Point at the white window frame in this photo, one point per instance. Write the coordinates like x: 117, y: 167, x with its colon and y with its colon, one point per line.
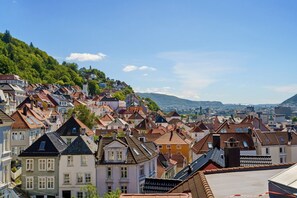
x: 124, y: 172
x: 81, y: 194
x: 50, y: 164
x: 119, y: 155
x: 29, y: 183
x: 64, y: 178
x: 83, y: 160
x: 79, y: 176
x: 41, y: 183
x: 41, y: 164
x: 109, y: 170
x: 88, y: 176
x: 50, y: 182
x: 111, y: 155
x: 69, y: 160
x: 29, y: 164
x: 124, y: 188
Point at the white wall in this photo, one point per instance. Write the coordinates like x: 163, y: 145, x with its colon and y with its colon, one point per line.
x: 73, y: 170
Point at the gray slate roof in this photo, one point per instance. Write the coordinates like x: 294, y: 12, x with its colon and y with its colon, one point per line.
x: 82, y: 145
x: 49, y: 144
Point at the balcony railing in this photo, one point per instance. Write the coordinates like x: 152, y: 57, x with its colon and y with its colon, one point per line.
x: 15, y: 175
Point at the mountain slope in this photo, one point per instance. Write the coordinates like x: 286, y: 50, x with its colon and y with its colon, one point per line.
x: 291, y: 101
x: 171, y: 102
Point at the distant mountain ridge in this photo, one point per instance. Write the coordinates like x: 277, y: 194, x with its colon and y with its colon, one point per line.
x: 172, y: 102
x: 290, y: 101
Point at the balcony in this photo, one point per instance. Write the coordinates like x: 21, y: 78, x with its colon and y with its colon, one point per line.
x: 15, y: 175
x: 6, y: 155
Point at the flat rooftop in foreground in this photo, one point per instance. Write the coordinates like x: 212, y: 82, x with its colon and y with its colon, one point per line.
x: 243, y: 183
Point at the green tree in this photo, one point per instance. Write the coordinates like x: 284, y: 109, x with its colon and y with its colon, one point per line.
x: 84, y: 114
x: 152, y: 105
x: 7, y: 37
x: 94, y: 88
x: 294, y: 119
x: 113, y: 194
x: 90, y: 191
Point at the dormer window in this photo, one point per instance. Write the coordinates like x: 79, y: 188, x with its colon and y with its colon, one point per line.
x: 111, y: 155
x: 119, y: 155
x: 73, y: 130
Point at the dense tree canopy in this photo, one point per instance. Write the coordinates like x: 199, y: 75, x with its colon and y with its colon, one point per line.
x: 84, y: 114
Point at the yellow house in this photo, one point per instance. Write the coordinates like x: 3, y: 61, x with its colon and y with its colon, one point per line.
x: 173, y: 143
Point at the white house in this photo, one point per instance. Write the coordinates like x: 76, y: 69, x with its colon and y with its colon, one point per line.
x: 124, y: 163
x: 5, y: 153
x: 77, y: 167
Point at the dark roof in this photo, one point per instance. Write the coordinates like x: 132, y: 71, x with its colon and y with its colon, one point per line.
x: 49, y: 144
x: 82, y: 145
x: 145, y: 124
x: 160, y: 119
x: 135, y: 116
x: 145, y: 152
x: 214, y: 155
x: 72, y: 127
x: 275, y: 138
x: 154, y: 185
x: 105, y: 99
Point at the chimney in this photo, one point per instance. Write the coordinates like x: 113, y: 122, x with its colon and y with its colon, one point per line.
x: 216, y: 141
x: 31, y: 104
x: 25, y: 110
x: 232, y: 153
x: 290, y: 135
x: 171, y: 135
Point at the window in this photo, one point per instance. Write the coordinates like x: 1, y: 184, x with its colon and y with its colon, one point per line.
x: 281, y: 160
x: 79, y: 178
x: 42, y: 164
x: 66, y: 178
x: 83, y: 160
x: 50, y: 182
x: 68, y: 141
x: 178, y: 146
x: 109, y: 172
x: 168, y: 146
x: 41, y: 182
x: 109, y: 188
x: 51, y: 164
x: 124, y: 172
x: 141, y: 170
x: 124, y: 189
x: 73, y: 130
x: 42, y: 146
x: 69, y: 160
x: 29, y: 183
x: 119, y: 155
x: 88, y: 178
x: 160, y: 146
x: 267, y: 151
x: 245, y: 145
x: 282, y: 150
x: 21, y: 136
x: 80, y: 195
x: 29, y: 165
x: 110, y: 155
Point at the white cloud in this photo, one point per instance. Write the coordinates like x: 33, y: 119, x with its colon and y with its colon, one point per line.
x: 130, y: 68
x: 145, y: 74
x: 288, y: 89
x: 147, y: 68
x: 198, y: 71
x: 85, y: 57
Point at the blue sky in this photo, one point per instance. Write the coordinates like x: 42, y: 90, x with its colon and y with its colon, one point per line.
x: 231, y: 51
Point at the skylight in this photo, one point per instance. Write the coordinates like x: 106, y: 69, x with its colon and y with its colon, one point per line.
x: 135, y: 151
x: 42, y: 145
x: 245, y: 144
x: 142, y: 145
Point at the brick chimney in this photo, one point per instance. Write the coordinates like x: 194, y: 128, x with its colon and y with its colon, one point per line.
x: 232, y: 153
x: 216, y: 141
